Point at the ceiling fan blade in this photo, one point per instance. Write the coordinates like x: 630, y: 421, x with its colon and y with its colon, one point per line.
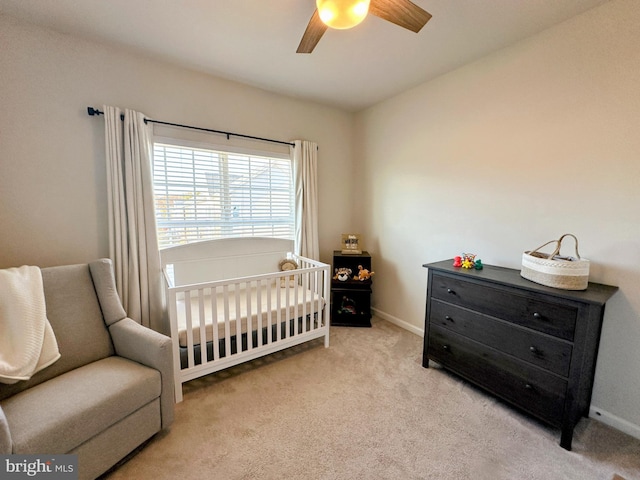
x: 312, y: 35
x: 401, y: 12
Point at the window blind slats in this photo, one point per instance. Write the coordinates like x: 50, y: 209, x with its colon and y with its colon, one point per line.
x: 205, y: 194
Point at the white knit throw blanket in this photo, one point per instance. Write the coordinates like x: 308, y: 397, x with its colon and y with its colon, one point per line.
x: 27, y: 341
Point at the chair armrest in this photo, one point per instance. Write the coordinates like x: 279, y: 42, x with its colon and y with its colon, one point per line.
x: 148, y: 347
x: 6, y: 444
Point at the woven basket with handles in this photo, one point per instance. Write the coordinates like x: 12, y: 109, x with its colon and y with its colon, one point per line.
x: 554, y: 270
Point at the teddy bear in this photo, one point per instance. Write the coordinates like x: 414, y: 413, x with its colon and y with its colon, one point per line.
x: 287, y: 265
x: 342, y: 274
x: 363, y: 274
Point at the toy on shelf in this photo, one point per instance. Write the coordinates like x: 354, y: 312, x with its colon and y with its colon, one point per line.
x: 478, y: 264
x: 342, y: 274
x: 348, y: 306
x: 363, y: 274
x: 457, y: 261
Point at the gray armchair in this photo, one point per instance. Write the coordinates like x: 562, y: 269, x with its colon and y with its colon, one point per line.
x: 112, y: 387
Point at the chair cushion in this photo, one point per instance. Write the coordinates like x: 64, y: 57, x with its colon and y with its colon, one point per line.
x: 74, y: 312
x: 62, y: 413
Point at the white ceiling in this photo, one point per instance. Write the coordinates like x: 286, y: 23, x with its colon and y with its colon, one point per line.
x: 254, y: 41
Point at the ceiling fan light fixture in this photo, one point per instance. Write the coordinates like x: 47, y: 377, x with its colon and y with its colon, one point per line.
x: 342, y: 14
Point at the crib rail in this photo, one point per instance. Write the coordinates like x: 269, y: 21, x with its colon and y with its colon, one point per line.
x: 218, y: 324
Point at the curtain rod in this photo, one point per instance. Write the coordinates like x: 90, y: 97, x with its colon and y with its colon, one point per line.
x: 93, y: 112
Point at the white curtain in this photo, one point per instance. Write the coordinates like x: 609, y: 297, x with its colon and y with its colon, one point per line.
x: 305, y: 177
x: 133, y: 245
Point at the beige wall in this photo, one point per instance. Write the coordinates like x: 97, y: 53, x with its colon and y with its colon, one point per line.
x: 537, y: 140
x: 52, y: 167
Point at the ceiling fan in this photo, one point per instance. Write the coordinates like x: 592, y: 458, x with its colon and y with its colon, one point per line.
x: 342, y: 14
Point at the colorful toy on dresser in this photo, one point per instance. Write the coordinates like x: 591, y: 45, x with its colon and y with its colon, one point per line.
x: 467, y: 260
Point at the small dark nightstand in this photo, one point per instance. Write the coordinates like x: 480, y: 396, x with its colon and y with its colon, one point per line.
x: 351, y: 299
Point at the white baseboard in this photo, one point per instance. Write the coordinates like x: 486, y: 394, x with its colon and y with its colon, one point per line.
x: 396, y: 321
x: 594, y: 412
x: 614, y: 421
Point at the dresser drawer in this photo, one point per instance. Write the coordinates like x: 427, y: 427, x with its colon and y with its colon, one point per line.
x: 529, y: 310
x: 534, y: 390
x: 529, y: 345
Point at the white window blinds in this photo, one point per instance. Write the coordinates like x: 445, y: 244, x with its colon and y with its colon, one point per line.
x: 203, y: 194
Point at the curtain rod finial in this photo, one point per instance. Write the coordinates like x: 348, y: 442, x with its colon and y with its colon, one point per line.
x: 93, y: 111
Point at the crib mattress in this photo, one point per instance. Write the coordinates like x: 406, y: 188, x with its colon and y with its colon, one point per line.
x: 300, y: 301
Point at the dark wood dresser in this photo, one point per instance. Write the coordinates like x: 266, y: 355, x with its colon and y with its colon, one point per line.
x: 531, y: 345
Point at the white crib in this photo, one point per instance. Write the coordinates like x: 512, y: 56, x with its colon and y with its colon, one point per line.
x: 230, y: 293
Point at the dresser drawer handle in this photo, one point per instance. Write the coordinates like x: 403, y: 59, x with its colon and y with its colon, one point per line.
x: 533, y: 349
x: 537, y: 316
x: 528, y: 386
x: 445, y: 348
x: 450, y: 291
x: 448, y: 318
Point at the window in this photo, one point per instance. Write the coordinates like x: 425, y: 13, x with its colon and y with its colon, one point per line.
x: 202, y: 194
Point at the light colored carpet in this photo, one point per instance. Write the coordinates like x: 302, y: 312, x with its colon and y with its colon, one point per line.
x: 365, y: 408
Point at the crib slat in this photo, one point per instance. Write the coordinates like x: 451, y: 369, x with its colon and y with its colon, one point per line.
x: 305, y: 290
x: 315, y: 295
x: 279, y: 311
x: 318, y: 316
x: 238, y: 317
x: 324, y: 306
x: 259, y: 311
x: 327, y: 309
x: 214, y: 323
x: 227, y: 329
x: 203, y: 332
x: 187, y: 314
x: 248, y: 296
x: 296, y: 307
x: 287, y: 305
x: 269, y: 315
